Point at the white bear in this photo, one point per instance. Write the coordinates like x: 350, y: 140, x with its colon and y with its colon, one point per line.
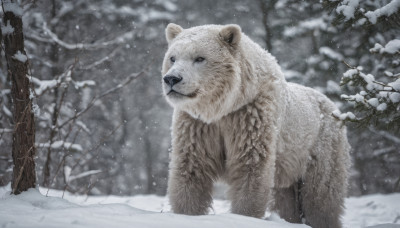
x: 236, y: 118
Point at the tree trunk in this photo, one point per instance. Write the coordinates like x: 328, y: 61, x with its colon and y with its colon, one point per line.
x: 54, y: 119
x: 266, y: 8
x: 23, y: 147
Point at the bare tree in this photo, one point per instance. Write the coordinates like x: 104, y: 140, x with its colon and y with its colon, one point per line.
x: 23, y: 145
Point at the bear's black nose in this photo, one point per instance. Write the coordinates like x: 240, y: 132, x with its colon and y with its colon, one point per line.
x: 172, y: 80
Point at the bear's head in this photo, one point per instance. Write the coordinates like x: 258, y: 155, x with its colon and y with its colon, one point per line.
x: 201, y: 72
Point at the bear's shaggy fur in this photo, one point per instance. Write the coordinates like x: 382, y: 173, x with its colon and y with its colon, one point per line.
x: 236, y: 118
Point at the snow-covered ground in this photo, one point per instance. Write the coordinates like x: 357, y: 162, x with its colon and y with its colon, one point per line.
x: 34, y: 209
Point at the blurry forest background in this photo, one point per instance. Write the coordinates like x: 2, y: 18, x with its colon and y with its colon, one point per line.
x: 118, y: 143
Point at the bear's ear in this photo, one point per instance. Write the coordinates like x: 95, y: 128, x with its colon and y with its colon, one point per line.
x: 231, y: 34
x: 172, y: 31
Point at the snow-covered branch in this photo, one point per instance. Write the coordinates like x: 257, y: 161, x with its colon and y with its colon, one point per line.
x: 386, y: 135
x: 118, y: 40
x: 377, y: 100
x: 387, y: 10
x: 6, y: 130
x: 69, y: 177
x: 61, y: 145
x: 392, y: 47
x: 353, y: 11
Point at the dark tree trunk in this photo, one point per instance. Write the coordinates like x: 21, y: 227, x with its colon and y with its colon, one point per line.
x: 267, y: 6
x: 23, y: 147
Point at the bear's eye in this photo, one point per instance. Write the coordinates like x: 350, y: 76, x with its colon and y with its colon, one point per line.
x: 199, y: 60
x: 172, y: 59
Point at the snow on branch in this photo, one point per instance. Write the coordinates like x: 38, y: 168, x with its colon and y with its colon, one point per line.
x: 83, y: 84
x: 118, y: 40
x: 308, y: 25
x: 392, y: 47
x: 331, y: 53
x: 354, y: 11
x: 344, y: 116
x: 6, y: 130
x: 7, y: 29
x: 20, y: 57
x: 69, y: 177
x: 44, y: 85
x: 61, y: 145
x: 348, y: 8
x: 9, y: 6
x: 377, y: 101
x: 387, y: 10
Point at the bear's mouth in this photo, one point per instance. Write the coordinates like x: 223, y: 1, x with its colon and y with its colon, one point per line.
x: 175, y: 93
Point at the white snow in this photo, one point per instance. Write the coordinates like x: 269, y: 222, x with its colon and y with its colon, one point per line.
x: 381, y: 107
x: 371, y: 210
x: 370, y: 80
x: 386, y: 10
x: 395, y: 85
x: 44, y: 85
x: 83, y: 84
x: 69, y: 177
x: 359, y: 97
x: 308, y: 25
x: 392, y: 47
x: 61, y: 144
x: 34, y: 209
x: 168, y: 5
x: 349, y: 73
x: 394, y: 97
x: 348, y: 8
x: 13, y: 7
x: 373, y: 102
x: 20, y: 57
x: 388, y: 73
x: 344, y: 116
x: 331, y: 53
x: 332, y: 87
x: 8, y: 29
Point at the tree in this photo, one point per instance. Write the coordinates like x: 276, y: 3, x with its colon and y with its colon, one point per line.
x: 23, y: 145
x: 377, y: 98
x: 369, y: 45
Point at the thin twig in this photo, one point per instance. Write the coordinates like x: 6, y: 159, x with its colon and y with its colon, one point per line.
x: 97, y: 145
x: 118, y: 40
x: 128, y: 80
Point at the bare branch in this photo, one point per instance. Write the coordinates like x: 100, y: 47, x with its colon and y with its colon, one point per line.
x: 97, y: 145
x: 100, y: 61
x: 386, y: 135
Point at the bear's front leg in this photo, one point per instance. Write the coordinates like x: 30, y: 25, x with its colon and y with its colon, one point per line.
x: 195, y: 164
x: 251, y: 160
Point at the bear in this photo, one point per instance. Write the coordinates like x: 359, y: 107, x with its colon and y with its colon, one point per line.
x: 276, y: 144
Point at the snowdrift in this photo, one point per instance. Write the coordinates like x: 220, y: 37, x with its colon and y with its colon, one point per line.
x: 34, y: 209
